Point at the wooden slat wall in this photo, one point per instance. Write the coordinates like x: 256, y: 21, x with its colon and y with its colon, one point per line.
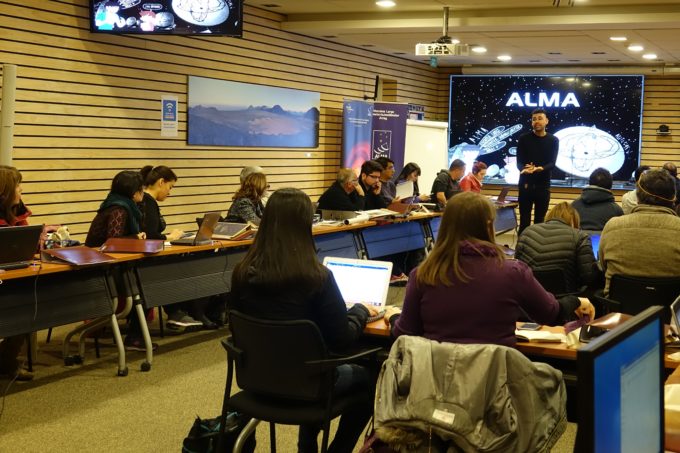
x: 88, y: 106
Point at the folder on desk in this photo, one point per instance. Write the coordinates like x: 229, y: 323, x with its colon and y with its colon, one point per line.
x: 234, y: 231
x: 132, y: 245
x: 77, y: 256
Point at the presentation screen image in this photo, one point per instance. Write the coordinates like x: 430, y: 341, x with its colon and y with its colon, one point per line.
x: 180, y: 17
x: 597, y: 119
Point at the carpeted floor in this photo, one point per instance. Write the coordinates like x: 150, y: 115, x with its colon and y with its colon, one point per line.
x: 88, y: 408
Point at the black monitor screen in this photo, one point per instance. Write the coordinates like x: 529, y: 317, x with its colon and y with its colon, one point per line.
x: 597, y: 119
x: 179, y: 17
x: 620, y: 382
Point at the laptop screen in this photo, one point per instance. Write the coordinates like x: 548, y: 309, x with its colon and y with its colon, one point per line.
x: 361, y: 280
x: 595, y: 240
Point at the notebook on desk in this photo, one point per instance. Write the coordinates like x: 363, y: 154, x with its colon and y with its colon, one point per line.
x: 77, y: 256
x: 19, y: 245
x: 205, y: 232
x: 361, y: 280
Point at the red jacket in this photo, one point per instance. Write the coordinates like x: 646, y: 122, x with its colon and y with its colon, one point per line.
x: 470, y: 184
x: 21, y: 219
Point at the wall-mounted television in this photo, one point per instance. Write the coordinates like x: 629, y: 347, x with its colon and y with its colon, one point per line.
x: 176, y: 17
x: 597, y: 118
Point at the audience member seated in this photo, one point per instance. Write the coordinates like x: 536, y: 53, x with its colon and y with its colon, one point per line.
x: 411, y: 172
x: 247, y: 201
x: 158, y: 182
x: 466, y: 291
x: 272, y: 283
x: 13, y: 212
x: 345, y: 194
x: 472, y: 182
x: 673, y: 171
x: 629, y: 199
x: 558, y: 244
x: 119, y: 216
x: 446, y: 184
x: 596, y: 204
x: 369, y: 180
x: 245, y: 171
x: 388, y: 188
x: 645, y: 242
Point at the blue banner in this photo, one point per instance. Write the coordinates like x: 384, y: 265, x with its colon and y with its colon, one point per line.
x: 357, y: 117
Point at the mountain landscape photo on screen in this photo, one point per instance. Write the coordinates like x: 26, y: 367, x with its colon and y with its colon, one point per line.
x: 224, y: 113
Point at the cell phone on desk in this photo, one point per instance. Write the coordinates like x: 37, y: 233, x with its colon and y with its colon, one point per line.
x: 529, y: 326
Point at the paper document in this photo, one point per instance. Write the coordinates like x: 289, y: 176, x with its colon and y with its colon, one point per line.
x: 405, y: 189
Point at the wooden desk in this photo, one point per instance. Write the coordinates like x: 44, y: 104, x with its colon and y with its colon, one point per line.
x: 672, y: 419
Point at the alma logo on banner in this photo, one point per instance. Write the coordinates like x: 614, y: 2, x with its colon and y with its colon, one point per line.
x: 554, y: 100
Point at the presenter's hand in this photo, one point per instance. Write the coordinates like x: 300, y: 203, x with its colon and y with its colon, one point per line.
x: 174, y: 235
x: 389, y: 312
x: 141, y: 235
x: 537, y: 169
x: 371, y: 309
x: 586, y: 308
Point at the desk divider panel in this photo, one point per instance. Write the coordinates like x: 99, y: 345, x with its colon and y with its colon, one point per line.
x: 342, y: 244
x: 393, y: 238
x: 61, y: 298
x: 435, y: 222
x: 178, y: 278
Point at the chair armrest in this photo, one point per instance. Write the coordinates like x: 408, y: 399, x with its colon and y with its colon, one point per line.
x: 233, y: 352
x: 327, y: 364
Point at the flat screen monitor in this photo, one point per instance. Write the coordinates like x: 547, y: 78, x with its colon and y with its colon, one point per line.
x: 597, y: 119
x: 620, y: 388
x: 176, y: 17
x: 595, y: 242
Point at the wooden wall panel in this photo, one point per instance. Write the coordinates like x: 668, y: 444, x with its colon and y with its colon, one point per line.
x: 88, y: 106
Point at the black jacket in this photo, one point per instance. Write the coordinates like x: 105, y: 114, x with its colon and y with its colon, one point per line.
x: 596, y: 206
x: 326, y: 308
x: 153, y: 223
x: 540, y: 151
x: 554, y: 244
x: 371, y: 200
x: 337, y: 199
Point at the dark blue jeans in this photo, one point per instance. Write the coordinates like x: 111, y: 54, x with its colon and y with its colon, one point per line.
x: 349, y: 378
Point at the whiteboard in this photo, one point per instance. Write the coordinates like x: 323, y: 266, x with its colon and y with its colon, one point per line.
x: 427, y: 145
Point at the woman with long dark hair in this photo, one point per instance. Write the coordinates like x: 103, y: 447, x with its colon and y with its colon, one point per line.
x: 411, y: 172
x: 280, y: 278
x: 13, y: 212
x: 466, y: 291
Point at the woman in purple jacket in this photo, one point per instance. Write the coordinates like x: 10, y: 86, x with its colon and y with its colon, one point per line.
x: 466, y: 291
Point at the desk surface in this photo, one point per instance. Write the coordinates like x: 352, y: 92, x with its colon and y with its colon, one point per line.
x: 537, y: 349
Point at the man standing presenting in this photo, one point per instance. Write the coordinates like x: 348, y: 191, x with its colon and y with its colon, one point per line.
x: 536, y: 156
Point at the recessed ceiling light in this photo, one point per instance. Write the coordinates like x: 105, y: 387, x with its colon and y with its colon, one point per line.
x: 479, y: 49
x: 385, y: 3
x: 649, y: 56
x: 636, y: 48
x: 598, y: 53
x: 504, y: 57
x: 554, y: 53
x: 618, y: 38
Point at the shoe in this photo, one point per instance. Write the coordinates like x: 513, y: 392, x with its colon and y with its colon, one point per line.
x: 398, y: 279
x: 181, y: 320
x: 137, y: 344
x: 20, y: 375
x: 207, y: 323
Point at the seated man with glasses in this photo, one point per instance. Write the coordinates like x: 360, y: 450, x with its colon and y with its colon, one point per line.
x: 369, y: 180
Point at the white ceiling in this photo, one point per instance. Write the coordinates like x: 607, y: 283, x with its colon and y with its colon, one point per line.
x: 531, y: 32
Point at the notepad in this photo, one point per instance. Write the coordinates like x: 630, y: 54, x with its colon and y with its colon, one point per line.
x: 540, y: 336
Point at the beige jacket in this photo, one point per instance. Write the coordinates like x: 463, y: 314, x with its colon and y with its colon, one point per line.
x: 644, y: 243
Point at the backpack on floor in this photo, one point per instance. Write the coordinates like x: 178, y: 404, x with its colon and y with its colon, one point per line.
x: 204, y: 434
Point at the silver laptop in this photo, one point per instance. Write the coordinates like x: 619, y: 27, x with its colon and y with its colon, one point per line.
x: 205, y: 232
x: 19, y: 245
x: 361, y: 280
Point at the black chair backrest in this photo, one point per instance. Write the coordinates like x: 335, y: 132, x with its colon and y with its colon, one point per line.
x: 635, y: 294
x: 274, y: 356
x: 552, y: 280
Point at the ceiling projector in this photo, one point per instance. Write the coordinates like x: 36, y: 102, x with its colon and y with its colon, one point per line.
x: 435, y: 49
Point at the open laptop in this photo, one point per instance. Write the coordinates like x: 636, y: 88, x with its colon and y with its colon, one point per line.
x: 205, y: 232
x: 361, y: 280
x: 503, y: 197
x: 595, y: 241
x: 19, y: 245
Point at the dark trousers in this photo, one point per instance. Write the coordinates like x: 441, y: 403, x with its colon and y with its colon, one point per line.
x: 537, y: 198
x: 9, y: 353
x: 350, y: 378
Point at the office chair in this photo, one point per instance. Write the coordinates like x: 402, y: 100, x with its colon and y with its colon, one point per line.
x: 554, y: 280
x: 286, y: 375
x: 632, y: 295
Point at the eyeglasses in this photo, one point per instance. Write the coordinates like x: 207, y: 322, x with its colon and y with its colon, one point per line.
x: 373, y: 176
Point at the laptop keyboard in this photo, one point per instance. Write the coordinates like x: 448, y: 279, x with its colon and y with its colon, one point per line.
x: 19, y: 265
